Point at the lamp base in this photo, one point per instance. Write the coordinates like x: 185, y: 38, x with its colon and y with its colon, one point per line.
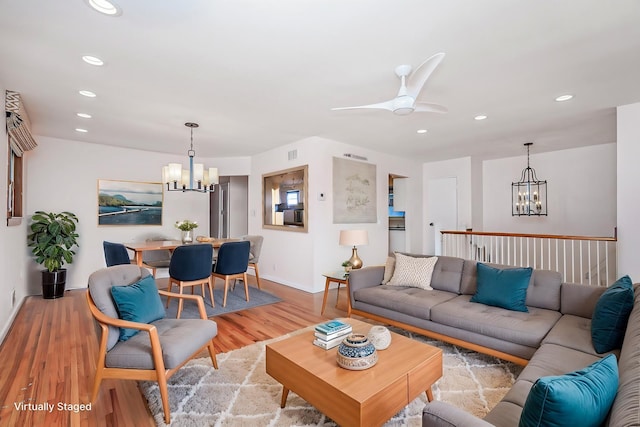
x: 355, y: 260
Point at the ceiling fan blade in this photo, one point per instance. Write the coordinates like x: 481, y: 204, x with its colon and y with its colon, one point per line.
x: 422, y: 73
x: 387, y: 105
x: 427, y: 107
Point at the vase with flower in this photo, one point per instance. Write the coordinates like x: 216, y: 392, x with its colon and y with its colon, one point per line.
x: 187, y: 227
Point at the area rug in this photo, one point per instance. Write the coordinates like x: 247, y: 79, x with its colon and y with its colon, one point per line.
x: 235, y: 302
x: 240, y: 393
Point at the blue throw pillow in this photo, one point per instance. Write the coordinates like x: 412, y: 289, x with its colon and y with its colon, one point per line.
x: 137, y: 302
x: 506, y: 288
x: 610, y: 316
x: 581, y: 398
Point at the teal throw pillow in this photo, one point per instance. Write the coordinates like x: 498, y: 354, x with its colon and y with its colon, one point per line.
x: 506, y: 288
x: 610, y: 316
x: 581, y: 398
x: 137, y: 302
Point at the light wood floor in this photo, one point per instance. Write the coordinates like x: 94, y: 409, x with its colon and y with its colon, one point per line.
x: 49, y: 355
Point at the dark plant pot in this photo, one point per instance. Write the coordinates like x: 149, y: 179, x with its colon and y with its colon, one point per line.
x: 53, y: 283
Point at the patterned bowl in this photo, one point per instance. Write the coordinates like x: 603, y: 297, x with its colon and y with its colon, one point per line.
x: 356, y: 353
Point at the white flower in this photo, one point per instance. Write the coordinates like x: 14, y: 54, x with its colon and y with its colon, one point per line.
x: 186, y: 225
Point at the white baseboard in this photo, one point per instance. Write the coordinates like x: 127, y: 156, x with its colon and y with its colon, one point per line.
x: 12, y: 317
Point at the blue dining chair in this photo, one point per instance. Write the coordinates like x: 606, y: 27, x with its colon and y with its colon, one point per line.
x: 232, y: 263
x: 115, y: 254
x: 190, y: 265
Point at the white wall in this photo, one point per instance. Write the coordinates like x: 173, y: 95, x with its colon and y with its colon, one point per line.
x: 581, y: 187
x: 13, y: 248
x: 63, y: 175
x: 455, y: 168
x: 299, y: 259
x: 628, y: 198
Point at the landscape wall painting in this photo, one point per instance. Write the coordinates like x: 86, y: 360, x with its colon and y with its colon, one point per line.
x: 129, y: 203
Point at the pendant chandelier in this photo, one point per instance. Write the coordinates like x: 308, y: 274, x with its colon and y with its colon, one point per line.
x: 196, y: 178
x: 529, y: 195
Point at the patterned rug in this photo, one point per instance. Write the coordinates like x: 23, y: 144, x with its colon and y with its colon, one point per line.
x: 240, y: 393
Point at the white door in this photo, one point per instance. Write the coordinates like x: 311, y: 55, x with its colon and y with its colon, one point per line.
x: 442, y: 211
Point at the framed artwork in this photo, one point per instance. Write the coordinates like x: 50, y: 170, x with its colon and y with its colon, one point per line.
x: 354, y: 192
x: 129, y: 202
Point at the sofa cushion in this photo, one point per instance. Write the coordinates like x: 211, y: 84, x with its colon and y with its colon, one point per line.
x: 580, y: 398
x: 553, y: 359
x: 543, y: 290
x: 609, y: 320
x: 573, y: 332
x: 414, y: 302
x: 137, y: 302
x: 447, y: 274
x: 513, y: 326
x: 412, y: 271
x: 389, y: 266
x: 506, y: 288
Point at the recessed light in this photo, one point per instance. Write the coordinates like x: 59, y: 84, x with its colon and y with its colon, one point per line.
x: 104, y: 6
x: 93, y: 60
x: 564, y: 98
x: 87, y: 93
x: 81, y: 130
x: 84, y: 115
x: 421, y: 131
x: 480, y: 117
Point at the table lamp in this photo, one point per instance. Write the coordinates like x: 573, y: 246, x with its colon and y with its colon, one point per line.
x: 354, y: 238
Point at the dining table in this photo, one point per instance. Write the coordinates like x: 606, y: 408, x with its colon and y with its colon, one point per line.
x: 154, y: 245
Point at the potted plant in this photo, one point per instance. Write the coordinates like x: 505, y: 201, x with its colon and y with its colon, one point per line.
x: 52, y: 240
x: 347, y: 266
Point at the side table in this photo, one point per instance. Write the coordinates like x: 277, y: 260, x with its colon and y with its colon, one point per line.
x: 341, y: 278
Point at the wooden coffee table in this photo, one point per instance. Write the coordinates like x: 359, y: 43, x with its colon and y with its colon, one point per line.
x: 354, y: 398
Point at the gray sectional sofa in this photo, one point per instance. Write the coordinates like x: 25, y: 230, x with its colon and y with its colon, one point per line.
x: 552, y: 338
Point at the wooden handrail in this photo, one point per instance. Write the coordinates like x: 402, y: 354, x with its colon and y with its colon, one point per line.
x: 537, y: 236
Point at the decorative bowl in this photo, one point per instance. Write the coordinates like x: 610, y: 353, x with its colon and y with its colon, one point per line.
x: 356, y: 353
x: 380, y: 337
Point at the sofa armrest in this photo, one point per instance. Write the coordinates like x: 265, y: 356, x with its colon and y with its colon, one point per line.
x: 365, y: 277
x: 441, y: 414
x: 579, y: 300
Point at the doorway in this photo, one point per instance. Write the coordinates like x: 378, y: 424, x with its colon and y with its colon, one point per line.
x: 442, y: 211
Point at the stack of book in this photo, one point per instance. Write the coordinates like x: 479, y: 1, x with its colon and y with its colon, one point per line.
x: 330, y: 334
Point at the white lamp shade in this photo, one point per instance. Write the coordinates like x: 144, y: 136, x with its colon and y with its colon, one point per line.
x: 354, y: 237
x: 213, y: 176
x: 175, y: 172
x: 198, y: 172
x: 165, y: 174
x: 185, y: 179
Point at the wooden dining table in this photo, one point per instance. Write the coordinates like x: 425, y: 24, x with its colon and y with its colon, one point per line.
x: 154, y: 245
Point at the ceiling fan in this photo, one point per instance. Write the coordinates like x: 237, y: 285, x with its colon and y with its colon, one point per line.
x: 405, y: 102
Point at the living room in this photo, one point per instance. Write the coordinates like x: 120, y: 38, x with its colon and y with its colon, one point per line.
x: 589, y: 189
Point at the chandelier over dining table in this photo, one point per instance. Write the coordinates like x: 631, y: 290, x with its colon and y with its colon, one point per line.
x: 195, y: 178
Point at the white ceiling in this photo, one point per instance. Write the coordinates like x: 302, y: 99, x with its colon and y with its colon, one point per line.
x: 257, y: 74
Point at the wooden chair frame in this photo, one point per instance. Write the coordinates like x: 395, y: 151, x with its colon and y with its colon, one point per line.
x: 160, y: 374
x: 227, y: 278
x: 182, y: 283
x: 254, y: 265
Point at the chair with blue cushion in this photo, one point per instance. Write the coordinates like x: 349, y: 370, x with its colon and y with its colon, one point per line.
x: 137, y: 342
x: 117, y: 254
x: 232, y: 263
x: 191, y: 266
